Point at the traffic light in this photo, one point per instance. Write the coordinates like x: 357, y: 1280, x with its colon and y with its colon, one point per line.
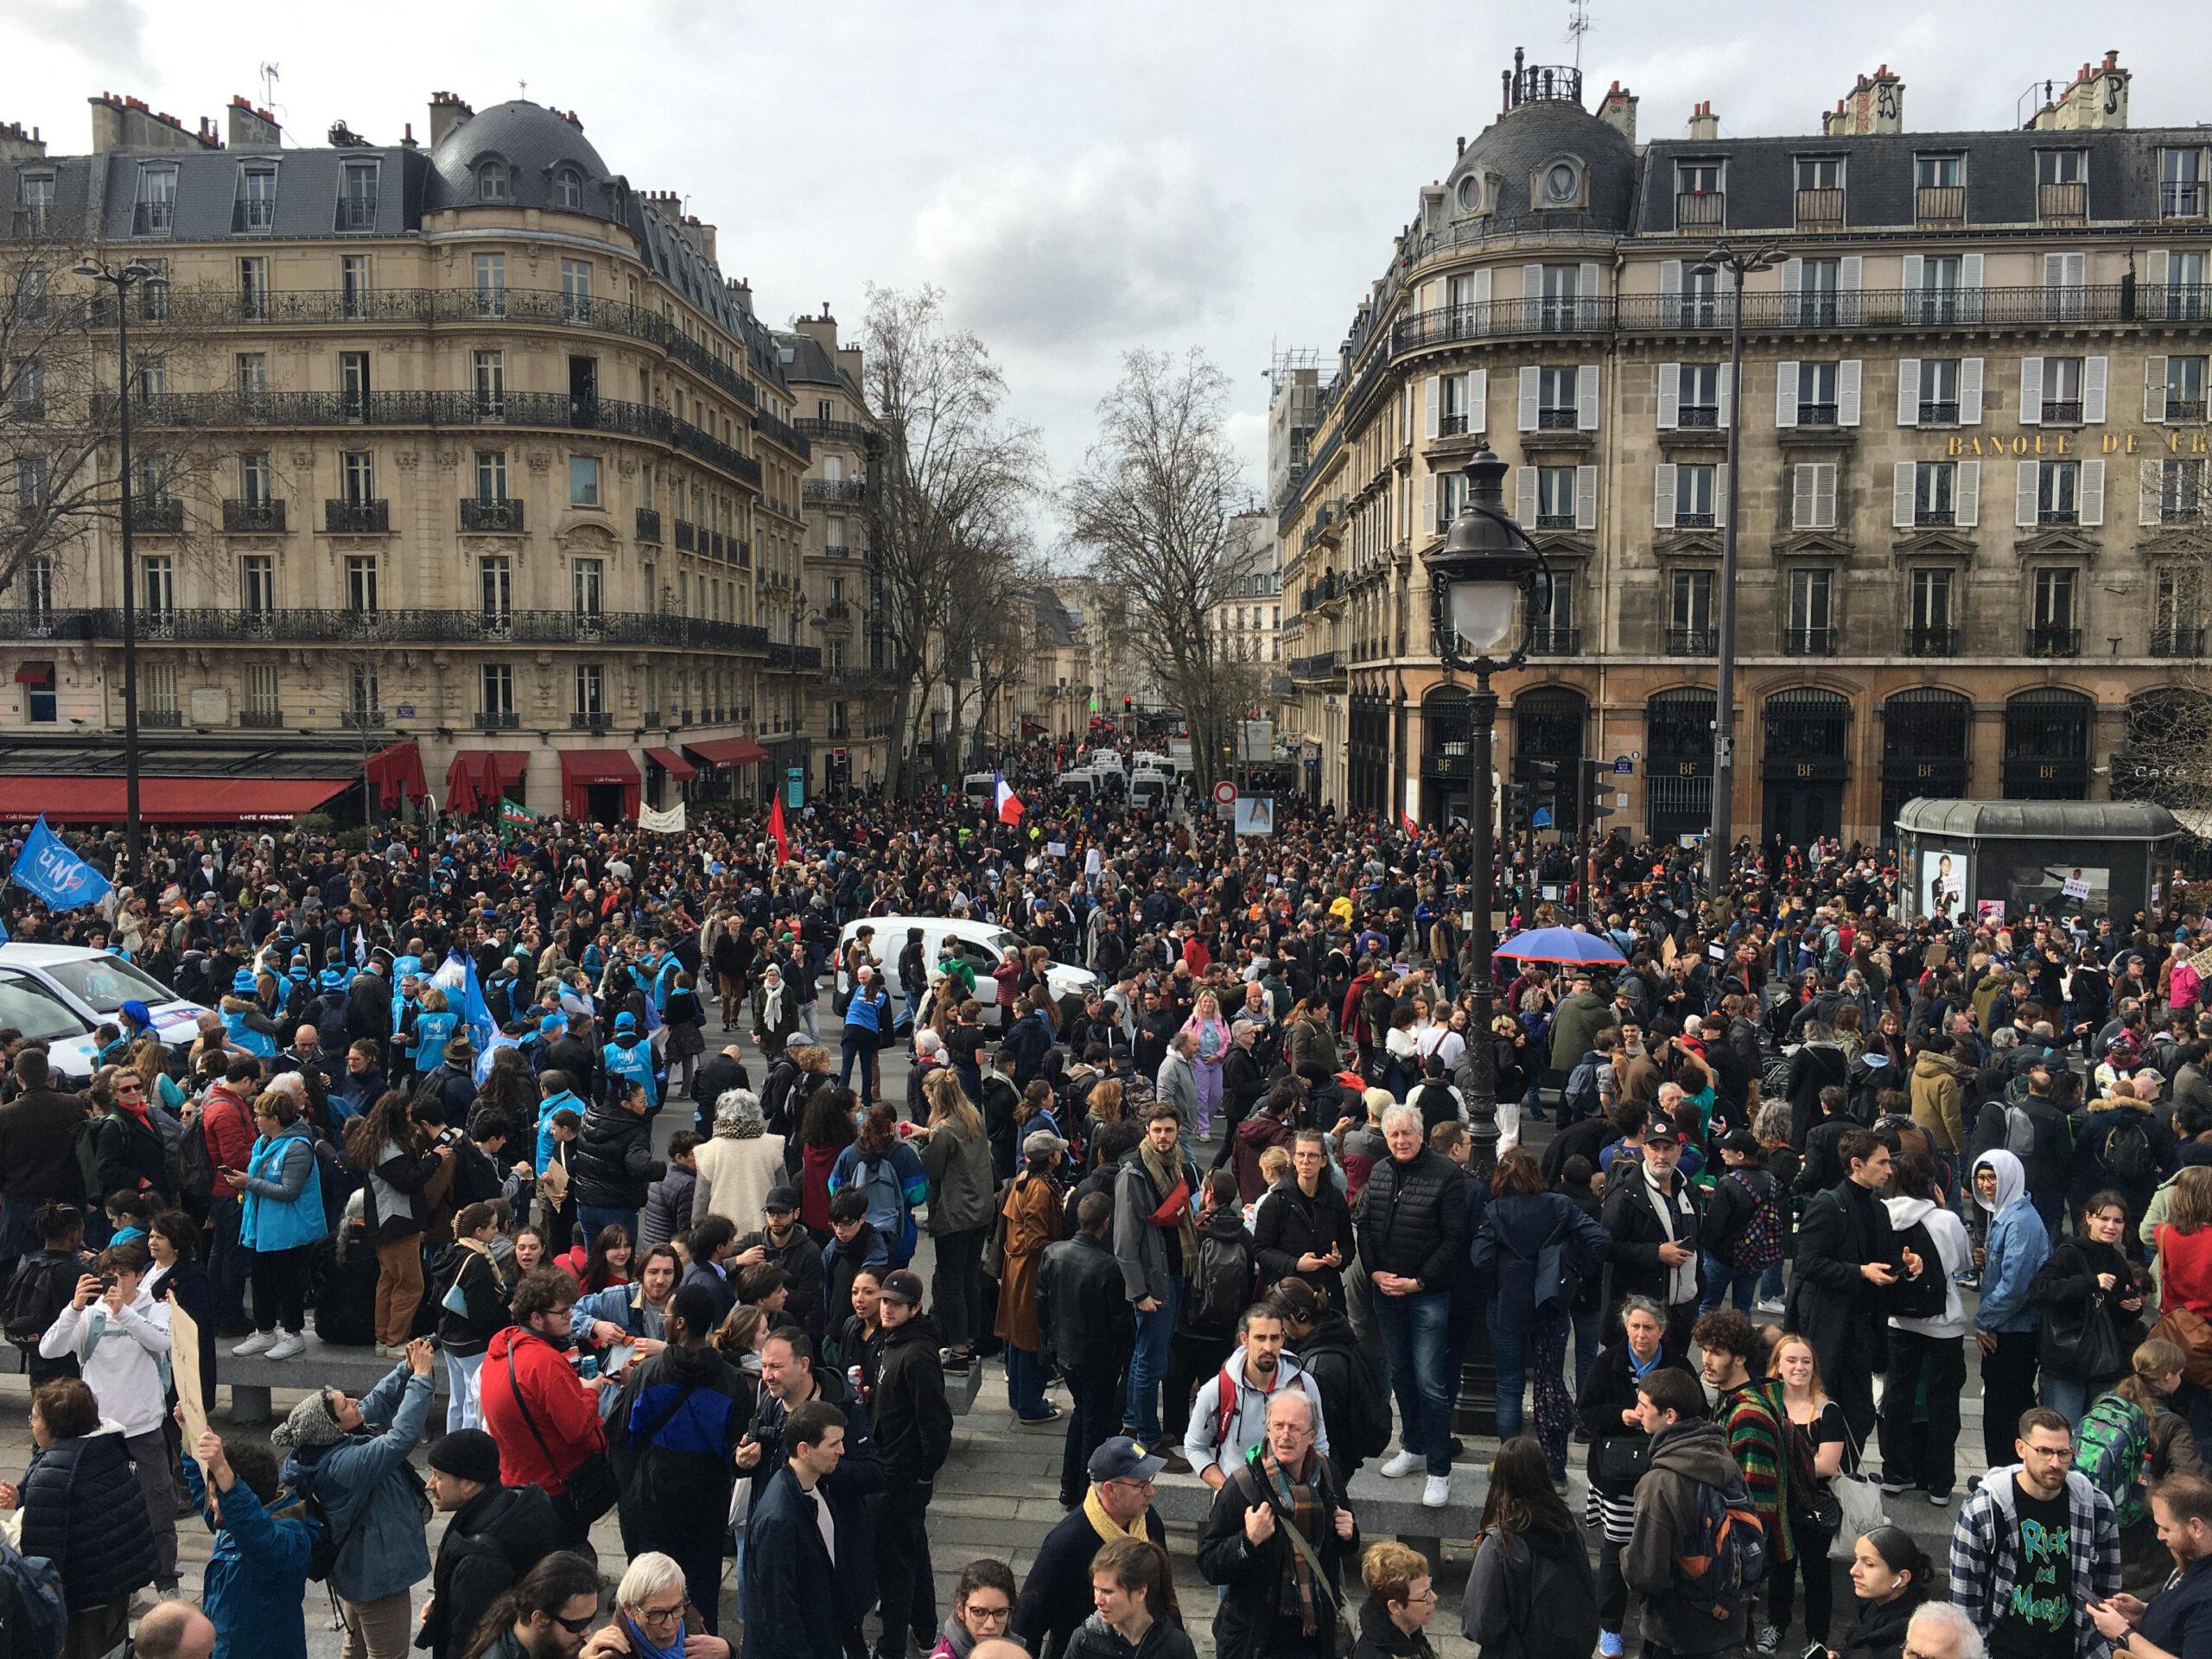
x: 1512, y: 809
x: 1128, y: 703
x: 1595, y: 773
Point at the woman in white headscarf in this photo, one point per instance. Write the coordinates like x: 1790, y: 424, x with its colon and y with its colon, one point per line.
x: 775, y: 1012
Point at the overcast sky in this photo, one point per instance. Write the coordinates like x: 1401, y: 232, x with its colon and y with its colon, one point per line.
x: 1080, y: 179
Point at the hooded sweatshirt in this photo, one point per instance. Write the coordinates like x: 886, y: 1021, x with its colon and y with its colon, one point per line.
x: 1685, y: 1456
x: 2015, y: 1249
x: 1208, y: 1441
x: 123, y: 1356
x: 1952, y: 1249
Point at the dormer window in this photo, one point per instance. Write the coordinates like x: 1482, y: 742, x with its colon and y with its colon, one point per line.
x: 1470, y: 195
x: 1562, y: 185
x: 569, y: 189
x: 492, y: 184
x: 255, y: 211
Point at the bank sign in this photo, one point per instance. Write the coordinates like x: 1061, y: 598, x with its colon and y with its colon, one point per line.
x: 2175, y: 442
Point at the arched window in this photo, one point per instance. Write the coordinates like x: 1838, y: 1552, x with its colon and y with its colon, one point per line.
x: 491, y: 182
x: 2047, y: 745
x: 569, y: 189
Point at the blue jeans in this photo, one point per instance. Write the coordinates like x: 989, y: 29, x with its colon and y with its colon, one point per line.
x: 1148, y: 1365
x: 2069, y: 1399
x: 230, y: 1264
x: 1771, y: 1284
x: 18, y: 1235
x: 1721, y: 1280
x: 1508, y: 1353
x: 1413, y: 1328
x: 1025, y: 1382
x: 856, y: 1052
x: 590, y: 1218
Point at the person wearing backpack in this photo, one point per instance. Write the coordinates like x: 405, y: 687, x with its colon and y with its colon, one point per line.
x: 1848, y: 1263
x: 347, y: 1458
x: 1278, y: 1538
x: 497, y: 1535
x: 2119, y: 1144
x: 889, y: 1173
x: 1530, y: 1593
x: 1696, y: 1553
x: 1745, y: 1223
x: 41, y: 1287
x: 1225, y: 1280
x: 1927, y: 1362
x: 2091, y: 1309
x: 1354, y: 1397
x: 256, y: 1584
x: 1230, y: 1414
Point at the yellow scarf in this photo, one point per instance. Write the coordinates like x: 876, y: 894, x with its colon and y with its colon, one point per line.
x: 1104, y: 1524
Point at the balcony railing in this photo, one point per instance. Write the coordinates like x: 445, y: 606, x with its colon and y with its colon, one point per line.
x: 256, y: 217
x: 356, y: 213
x: 490, y: 514
x: 1816, y: 414
x: 153, y: 515
x: 1691, y: 520
x: 597, y: 721
x: 261, y: 720
x: 2184, y: 409
x: 2050, y: 640
x: 163, y: 719
x: 2062, y: 203
x: 1931, y: 642
x: 2058, y: 516
x: 833, y: 489
x: 1555, y: 521
x: 1811, y: 642
x: 648, y: 524
x: 497, y: 720
x: 212, y: 305
x: 1556, y: 420
x: 1934, y: 518
x: 2062, y: 411
x: 1821, y: 209
x: 254, y: 517
x: 1451, y: 426
x: 837, y: 611
x: 838, y: 431
x: 357, y: 517
x: 1554, y: 642
x: 440, y: 409
x: 2177, y: 641
x: 794, y: 657
x: 2181, y: 201
x: 783, y: 432
x: 1703, y: 417
x: 1319, y: 666
x: 687, y: 536
x: 1939, y: 414
x: 153, y: 218
x: 1692, y: 642
x: 1697, y: 210
x: 1939, y: 203
x: 308, y: 627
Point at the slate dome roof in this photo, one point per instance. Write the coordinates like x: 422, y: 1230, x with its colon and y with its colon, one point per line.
x: 534, y: 143
x: 1536, y: 135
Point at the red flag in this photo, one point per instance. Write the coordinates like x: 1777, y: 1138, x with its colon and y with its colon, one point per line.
x: 776, y: 833
x: 1405, y: 818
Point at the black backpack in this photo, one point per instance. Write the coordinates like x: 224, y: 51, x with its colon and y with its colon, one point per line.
x: 36, y: 1295
x: 1221, y: 1285
x: 476, y: 1177
x: 1926, y: 1297
x: 2127, y: 1156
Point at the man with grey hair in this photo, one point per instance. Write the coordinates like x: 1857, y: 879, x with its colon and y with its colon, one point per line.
x: 1940, y: 1630
x: 1413, y: 1227
x: 1243, y: 1082
x: 1176, y: 1083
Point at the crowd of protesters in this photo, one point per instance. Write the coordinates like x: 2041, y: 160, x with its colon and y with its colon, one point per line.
x: 1241, y: 1202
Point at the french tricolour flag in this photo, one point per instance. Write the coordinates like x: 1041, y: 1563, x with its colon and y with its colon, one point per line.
x: 1009, y: 803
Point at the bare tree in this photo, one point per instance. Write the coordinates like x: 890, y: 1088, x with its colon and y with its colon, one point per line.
x: 949, y: 492
x: 1153, y: 506
x: 989, y: 633
x: 2167, y: 753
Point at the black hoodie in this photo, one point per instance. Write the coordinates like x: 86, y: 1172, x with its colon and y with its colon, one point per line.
x: 913, y: 1424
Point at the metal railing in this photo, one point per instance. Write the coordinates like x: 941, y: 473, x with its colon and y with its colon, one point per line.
x: 2177, y: 641
x: 783, y: 432
x: 838, y: 431
x: 254, y: 517
x: 832, y: 489
x: 2058, y: 516
x: 1931, y: 642
x: 1811, y: 642
x: 837, y: 610
x: 2181, y: 201
x: 321, y: 626
x: 687, y: 536
x: 1816, y: 414
x: 490, y: 514
x: 356, y: 213
x: 1320, y: 665
x: 498, y: 719
x: 153, y: 515
x: 648, y: 525
x: 2049, y: 639
x: 164, y: 720
x: 799, y: 656
x: 1703, y: 417
x: 1934, y: 518
x: 1557, y: 419
x: 2062, y: 411
x: 1554, y: 642
x: 357, y: 517
x: 2184, y: 409
x: 261, y: 720
x: 597, y: 721
x: 1555, y: 521
x: 1692, y: 642
x: 153, y: 218
x: 1939, y: 414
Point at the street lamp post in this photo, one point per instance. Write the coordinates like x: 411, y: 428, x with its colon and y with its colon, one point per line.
x: 1722, y: 837
x: 816, y: 621
x: 121, y: 280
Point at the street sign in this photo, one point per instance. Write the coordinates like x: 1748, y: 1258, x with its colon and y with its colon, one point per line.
x: 1541, y: 818
x: 405, y: 711
x: 1623, y: 767
x: 1224, y: 793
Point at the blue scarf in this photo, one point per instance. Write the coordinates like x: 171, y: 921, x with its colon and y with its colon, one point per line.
x: 646, y: 1644
x: 1639, y: 1368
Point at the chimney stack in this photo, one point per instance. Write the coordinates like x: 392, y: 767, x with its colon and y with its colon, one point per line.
x: 252, y: 128
x: 1617, y: 110
x: 2095, y: 101
x: 123, y: 123
x: 1875, y: 105
x: 447, y: 112
x: 18, y: 145
x: 1704, y: 125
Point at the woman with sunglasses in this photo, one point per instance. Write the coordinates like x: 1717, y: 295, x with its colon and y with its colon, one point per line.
x: 982, y: 1606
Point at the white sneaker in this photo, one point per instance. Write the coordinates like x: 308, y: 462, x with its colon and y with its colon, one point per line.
x: 288, y: 1347
x: 259, y: 1343
x: 1404, y: 1463
x: 1437, y: 1492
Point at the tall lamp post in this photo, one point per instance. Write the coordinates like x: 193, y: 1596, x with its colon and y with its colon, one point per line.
x: 816, y: 621
x: 1486, y: 581
x: 1723, y: 836
x: 122, y: 279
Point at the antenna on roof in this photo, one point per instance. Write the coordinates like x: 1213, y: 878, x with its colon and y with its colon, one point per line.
x: 268, y: 78
x: 1578, y: 25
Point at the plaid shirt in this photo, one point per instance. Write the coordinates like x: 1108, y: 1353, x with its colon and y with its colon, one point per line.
x: 1985, y: 1555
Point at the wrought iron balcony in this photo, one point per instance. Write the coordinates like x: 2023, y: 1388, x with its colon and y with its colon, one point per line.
x: 838, y: 431
x: 2184, y: 409
x: 1698, y: 416
x: 356, y: 213
x: 1816, y: 414
x: 2062, y: 411
x: 2177, y: 641
x: 783, y: 432
x: 687, y: 536
x: 1555, y: 521
x: 308, y: 627
x: 164, y: 720
x: 833, y: 489
x: 648, y: 524
x: 1451, y: 426
x: 2058, y: 516
x: 254, y: 517
x: 153, y: 218
x: 1932, y: 414
x: 490, y: 514
x: 2050, y: 640
x: 261, y: 720
x: 498, y: 719
x: 794, y: 657
x: 1934, y: 518
x: 1811, y: 642
x: 837, y: 611
x: 1692, y: 642
x: 1556, y: 420
x: 254, y: 217
x: 596, y: 721
x: 357, y: 517
x: 1554, y: 642
x: 1705, y: 520
x: 1932, y: 641
x: 1319, y: 666
x: 156, y: 515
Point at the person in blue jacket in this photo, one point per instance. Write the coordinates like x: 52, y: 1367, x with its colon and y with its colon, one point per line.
x: 434, y: 1029
x: 257, y: 1580
x: 2005, y: 1324
x: 246, y: 1026
x: 370, y: 1496
x: 889, y: 1173
x: 282, y: 1219
x: 788, y: 1563
x: 863, y: 1032
x: 555, y: 1093
x: 630, y: 1056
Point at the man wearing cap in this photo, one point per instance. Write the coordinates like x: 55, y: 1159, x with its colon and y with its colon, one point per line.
x: 784, y: 1241
x: 914, y: 1436
x: 497, y: 1533
x: 1654, y: 1224
x: 1056, y: 1597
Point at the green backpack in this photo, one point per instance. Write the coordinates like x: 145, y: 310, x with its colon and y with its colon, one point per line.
x: 2113, y: 1448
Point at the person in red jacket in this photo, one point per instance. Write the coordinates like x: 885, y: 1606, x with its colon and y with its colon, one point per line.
x: 226, y: 1124
x: 544, y: 1417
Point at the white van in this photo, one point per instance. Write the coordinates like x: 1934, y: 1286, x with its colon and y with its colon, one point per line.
x: 1150, y: 790
x: 981, y: 787
x: 982, y: 945
x: 60, y: 993
x: 1079, y: 783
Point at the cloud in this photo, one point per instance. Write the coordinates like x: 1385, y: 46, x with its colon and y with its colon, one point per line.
x: 1121, y: 240
x: 111, y: 34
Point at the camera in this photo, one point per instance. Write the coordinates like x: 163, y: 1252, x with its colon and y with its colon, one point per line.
x: 108, y: 1283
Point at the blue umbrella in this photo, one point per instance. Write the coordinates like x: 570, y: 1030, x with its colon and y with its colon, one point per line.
x: 1559, y: 945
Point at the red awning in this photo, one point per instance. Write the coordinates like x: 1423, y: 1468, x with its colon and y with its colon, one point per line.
x: 478, y: 778
x: 167, y: 800
x: 34, y: 674
x: 397, y: 772
x: 508, y: 765
x: 598, y: 766
x: 726, y: 752
x: 672, y: 763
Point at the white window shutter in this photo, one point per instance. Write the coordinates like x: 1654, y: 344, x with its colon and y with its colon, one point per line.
x: 1585, y: 497
x: 1532, y: 283
x: 1721, y: 495
x: 1901, y: 481
x: 2077, y: 269
x: 1970, y: 271
x: 1824, y: 504
x: 1966, y: 494
x: 1849, y: 269
x: 1428, y: 296
x: 2023, y: 494
x: 2154, y: 388
x: 1427, y: 501
x: 1785, y: 394
x: 1846, y: 392
x: 1406, y: 414
x: 1585, y: 290
x: 1528, y: 393
x: 2150, y: 491
x: 1432, y: 400
x: 1662, y: 496
x: 1728, y: 396
x: 1909, y: 278
x: 1585, y: 397
x: 1670, y: 292
x: 1787, y: 278
x: 1477, y: 400
x: 1908, y: 392
x: 1524, y: 495
x: 2154, y: 269
x: 1802, y: 511
x: 2031, y: 392
x: 1671, y: 395
x: 2094, y: 371
x: 2092, y: 497
x: 1482, y: 297
x: 1970, y: 391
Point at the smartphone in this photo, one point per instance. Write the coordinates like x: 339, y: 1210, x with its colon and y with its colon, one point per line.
x: 1814, y: 1650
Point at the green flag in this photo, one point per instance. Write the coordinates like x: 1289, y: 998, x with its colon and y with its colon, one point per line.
x: 513, y: 816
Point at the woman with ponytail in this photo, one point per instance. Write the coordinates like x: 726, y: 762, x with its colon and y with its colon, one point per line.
x: 1890, y: 1574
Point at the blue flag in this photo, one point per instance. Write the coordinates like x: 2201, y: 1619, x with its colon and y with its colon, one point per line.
x: 476, y: 1015
x: 4, y: 933
x: 51, y: 873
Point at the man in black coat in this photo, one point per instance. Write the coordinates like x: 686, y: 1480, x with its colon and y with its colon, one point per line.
x: 717, y: 1075
x: 1848, y: 1260
x: 612, y: 1164
x: 1654, y: 1223
x: 1271, y: 1607
x: 38, y: 1156
x: 1244, y: 1080
x: 1083, y: 1312
x: 496, y: 1535
x: 368, y: 1008
x: 914, y: 1436
x: 786, y: 1243
x: 802, y: 1595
